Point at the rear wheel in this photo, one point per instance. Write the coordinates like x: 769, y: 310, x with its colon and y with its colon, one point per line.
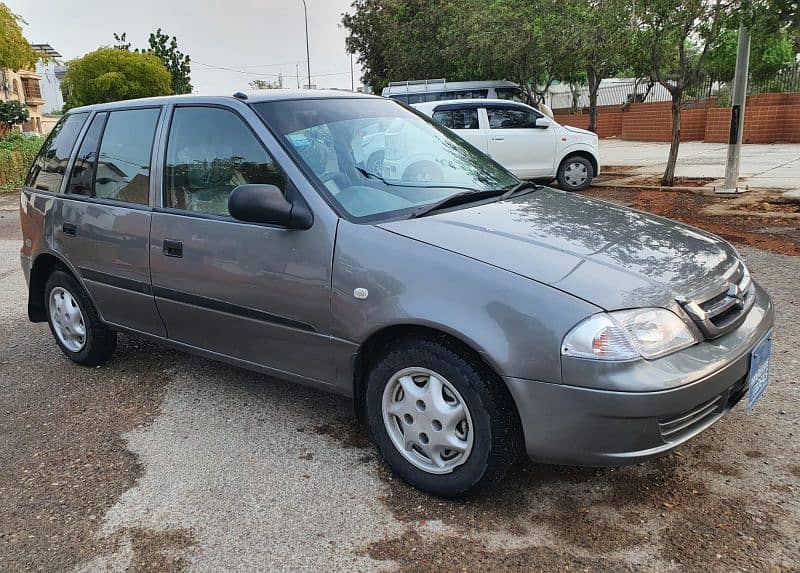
x: 75, y: 323
x: 575, y: 173
x: 441, y: 419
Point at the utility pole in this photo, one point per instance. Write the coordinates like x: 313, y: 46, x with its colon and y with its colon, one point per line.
x: 297, y: 74
x: 308, y: 53
x: 352, y: 77
x: 737, y: 113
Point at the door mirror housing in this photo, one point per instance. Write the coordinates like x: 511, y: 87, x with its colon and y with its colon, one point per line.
x: 543, y: 122
x: 263, y: 203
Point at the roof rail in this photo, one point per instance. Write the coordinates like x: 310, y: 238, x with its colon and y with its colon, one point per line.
x: 418, y: 82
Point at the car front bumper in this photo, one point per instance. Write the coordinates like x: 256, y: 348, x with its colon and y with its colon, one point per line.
x: 588, y: 420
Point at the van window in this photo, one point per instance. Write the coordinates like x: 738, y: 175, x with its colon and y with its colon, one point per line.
x: 511, y: 118
x: 210, y: 151
x: 81, y: 180
x: 48, y: 170
x: 457, y: 118
x: 123, y: 166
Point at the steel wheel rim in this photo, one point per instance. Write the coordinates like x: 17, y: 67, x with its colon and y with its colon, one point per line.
x: 67, y: 319
x: 575, y: 174
x: 427, y: 420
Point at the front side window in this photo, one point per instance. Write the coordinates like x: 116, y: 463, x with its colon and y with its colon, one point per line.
x: 123, y: 164
x: 47, y: 172
x: 376, y: 158
x: 511, y: 118
x: 211, y: 151
x: 457, y: 118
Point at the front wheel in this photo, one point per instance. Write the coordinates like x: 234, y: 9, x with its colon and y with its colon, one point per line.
x: 441, y: 420
x: 575, y: 173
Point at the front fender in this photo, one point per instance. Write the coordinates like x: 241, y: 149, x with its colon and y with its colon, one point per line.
x: 515, y: 323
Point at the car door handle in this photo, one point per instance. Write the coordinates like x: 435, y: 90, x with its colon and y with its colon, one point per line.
x: 173, y: 248
x: 498, y: 139
x: 69, y: 229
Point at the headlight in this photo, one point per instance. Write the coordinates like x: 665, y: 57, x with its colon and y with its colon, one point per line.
x: 628, y: 334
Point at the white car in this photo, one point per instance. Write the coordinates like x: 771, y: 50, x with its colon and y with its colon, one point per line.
x: 522, y: 139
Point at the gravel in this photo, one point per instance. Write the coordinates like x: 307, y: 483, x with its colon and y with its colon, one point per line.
x: 161, y: 461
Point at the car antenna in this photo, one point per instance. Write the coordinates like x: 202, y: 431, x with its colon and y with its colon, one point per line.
x: 240, y: 95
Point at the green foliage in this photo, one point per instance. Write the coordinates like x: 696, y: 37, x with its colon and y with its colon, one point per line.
x: 265, y: 85
x: 17, y: 152
x: 110, y: 74
x: 770, y: 52
x: 15, y: 51
x: 13, y: 112
x: 178, y: 63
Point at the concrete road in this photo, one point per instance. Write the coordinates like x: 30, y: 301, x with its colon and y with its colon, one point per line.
x: 161, y: 461
x: 773, y: 166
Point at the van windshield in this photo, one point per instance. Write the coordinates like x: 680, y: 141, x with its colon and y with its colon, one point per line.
x: 376, y: 158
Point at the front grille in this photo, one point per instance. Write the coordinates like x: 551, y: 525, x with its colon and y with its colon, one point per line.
x: 674, y: 428
x: 721, y: 308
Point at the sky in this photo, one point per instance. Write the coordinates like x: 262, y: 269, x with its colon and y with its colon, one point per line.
x: 254, y: 39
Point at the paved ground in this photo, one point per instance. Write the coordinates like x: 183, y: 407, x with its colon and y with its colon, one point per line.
x: 770, y: 166
x: 161, y: 461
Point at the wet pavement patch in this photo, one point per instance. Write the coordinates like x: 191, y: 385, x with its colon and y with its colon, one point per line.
x: 160, y: 551
x: 63, y: 461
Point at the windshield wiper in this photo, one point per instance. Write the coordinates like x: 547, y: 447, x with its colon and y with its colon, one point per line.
x: 521, y: 186
x: 455, y: 199
x: 369, y: 174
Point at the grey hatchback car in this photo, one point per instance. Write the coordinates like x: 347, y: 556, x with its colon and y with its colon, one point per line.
x: 470, y: 316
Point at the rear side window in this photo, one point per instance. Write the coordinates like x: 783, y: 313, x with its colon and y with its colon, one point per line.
x: 123, y: 164
x: 50, y: 165
x: 211, y: 151
x: 511, y: 118
x: 457, y: 118
x: 81, y: 180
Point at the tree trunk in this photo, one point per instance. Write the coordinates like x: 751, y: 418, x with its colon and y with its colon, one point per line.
x: 668, y: 180
x: 594, y: 87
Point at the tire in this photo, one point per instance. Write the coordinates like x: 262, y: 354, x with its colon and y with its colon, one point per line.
x: 494, y: 434
x: 63, y: 296
x: 575, y: 173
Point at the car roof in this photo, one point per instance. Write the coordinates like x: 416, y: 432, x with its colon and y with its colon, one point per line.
x: 256, y: 96
x: 417, y: 86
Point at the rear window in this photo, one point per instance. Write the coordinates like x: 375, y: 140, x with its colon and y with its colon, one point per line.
x: 47, y: 172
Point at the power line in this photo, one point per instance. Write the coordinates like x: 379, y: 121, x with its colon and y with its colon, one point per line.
x: 241, y: 71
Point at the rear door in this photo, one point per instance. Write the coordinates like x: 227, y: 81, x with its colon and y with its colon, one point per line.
x: 516, y: 142
x: 464, y: 122
x: 257, y: 293
x: 102, y: 224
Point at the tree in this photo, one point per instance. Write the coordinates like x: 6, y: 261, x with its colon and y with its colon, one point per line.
x: 109, y: 74
x: 266, y: 84
x: 15, y: 51
x: 177, y: 63
x: 13, y: 113
x: 601, y: 41
x: 674, y: 37
x: 771, y: 51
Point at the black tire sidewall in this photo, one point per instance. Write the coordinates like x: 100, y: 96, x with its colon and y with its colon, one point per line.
x: 464, y: 478
x: 575, y: 159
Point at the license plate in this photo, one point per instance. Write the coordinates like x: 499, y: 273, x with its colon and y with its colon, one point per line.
x: 758, y: 378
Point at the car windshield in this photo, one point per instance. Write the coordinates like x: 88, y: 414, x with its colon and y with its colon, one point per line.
x: 376, y: 158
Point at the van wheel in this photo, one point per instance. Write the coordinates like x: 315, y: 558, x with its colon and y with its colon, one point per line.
x: 74, y: 322
x: 575, y: 173
x: 441, y: 419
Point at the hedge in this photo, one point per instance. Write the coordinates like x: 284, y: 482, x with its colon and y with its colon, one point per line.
x: 16, y: 155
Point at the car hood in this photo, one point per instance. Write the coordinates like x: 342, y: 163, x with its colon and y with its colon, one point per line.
x: 578, y: 130
x: 611, y: 256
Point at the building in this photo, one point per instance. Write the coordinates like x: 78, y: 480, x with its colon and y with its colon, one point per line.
x: 25, y: 86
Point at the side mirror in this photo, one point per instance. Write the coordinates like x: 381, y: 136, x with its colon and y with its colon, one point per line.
x: 262, y: 203
x: 543, y: 122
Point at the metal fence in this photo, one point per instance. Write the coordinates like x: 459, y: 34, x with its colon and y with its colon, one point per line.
x: 622, y: 91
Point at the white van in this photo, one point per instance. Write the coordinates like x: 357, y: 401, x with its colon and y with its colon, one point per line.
x: 418, y: 91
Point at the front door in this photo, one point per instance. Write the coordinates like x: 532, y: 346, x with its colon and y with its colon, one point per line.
x: 103, y: 223
x: 517, y: 144
x: 257, y: 293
